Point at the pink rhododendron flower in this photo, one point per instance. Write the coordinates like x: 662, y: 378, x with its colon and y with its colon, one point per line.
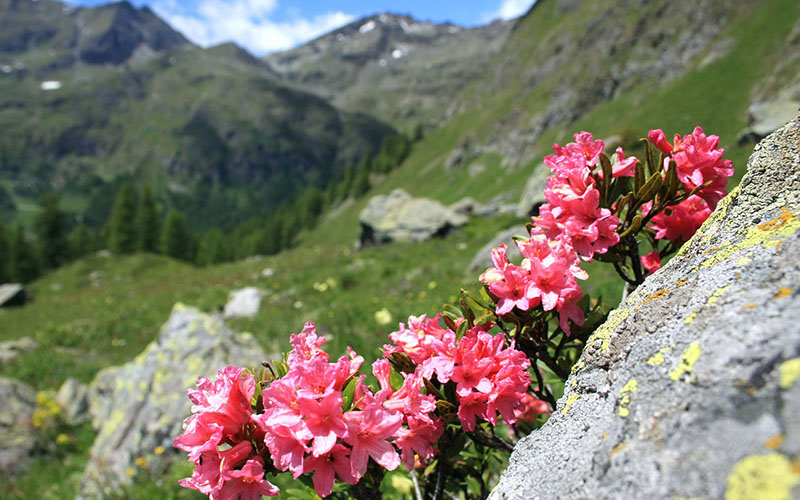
x: 680, y: 222
x: 306, y: 345
x: 531, y: 407
x: 326, y: 467
x: 489, y: 377
x: 698, y: 160
x: 369, y: 432
x: 651, y: 262
x: 246, y: 483
x: 623, y: 167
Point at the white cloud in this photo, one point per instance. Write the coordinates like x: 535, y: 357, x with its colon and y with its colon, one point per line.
x: 509, y: 9
x: 249, y: 23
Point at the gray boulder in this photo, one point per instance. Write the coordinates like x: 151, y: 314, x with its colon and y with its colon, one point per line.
x: 17, y: 436
x: 243, y: 303
x: 690, y: 389
x: 12, y: 294
x: 138, y: 408
x: 766, y: 117
x: 533, y: 193
x: 483, y: 258
x: 400, y: 217
x: 10, y: 350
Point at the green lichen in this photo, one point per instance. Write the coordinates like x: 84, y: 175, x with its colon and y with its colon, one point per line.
x: 603, y: 333
x: 625, y: 397
x: 570, y: 401
x: 789, y: 372
x: 716, y: 295
x: 715, y: 217
x: 658, y: 358
x: 762, y: 477
x: 688, y: 359
x: 769, y: 234
x: 690, y: 318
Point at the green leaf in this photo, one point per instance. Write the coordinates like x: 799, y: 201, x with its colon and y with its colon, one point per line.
x: 607, y: 176
x: 348, y: 393
x: 638, y: 178
x: 650, y: 188
x: 636, y: 224
x: 395, y: 379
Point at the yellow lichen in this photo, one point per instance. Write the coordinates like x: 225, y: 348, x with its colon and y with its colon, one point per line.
x: 783, y: 292
x: 690, y: 318
x: 715, y: 296
x: 744, y: 261
x: 570, y: 401
x: 688, y: 359
x: 769, y: 234
x: 789, y: 372
x: 603, y: 333
x: 658, y: 358
x: 762, y: 477
x: 625, y: 397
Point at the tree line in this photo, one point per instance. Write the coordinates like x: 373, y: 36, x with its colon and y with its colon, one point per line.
x: 137, y: 224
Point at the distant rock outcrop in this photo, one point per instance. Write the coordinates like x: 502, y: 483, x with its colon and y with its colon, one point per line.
x: 399, y: 217
x: 17, y: 439
x: 483, y: 258
x: 10, y: 350
x: 243, y: 303
x: 690, y: 389
x: 12, y: 294
x: 139, y: 407
x: 533, y: 193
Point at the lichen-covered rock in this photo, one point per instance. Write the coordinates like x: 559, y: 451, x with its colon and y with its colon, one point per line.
x: 533, y: 194
x: 17, y: 436
x: 10, y: 350
x: 400, y: 217
x: 139, y: 407
x: 690, y: 389
x: 243, y: 303
x: 73, y: 400
x: 483, y: 257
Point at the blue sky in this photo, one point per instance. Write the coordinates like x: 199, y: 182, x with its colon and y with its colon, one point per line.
x: 264, y: 26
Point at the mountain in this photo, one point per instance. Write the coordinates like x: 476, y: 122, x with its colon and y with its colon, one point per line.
x: 616, y: 69
x: 399, y: 69
x: 45, y: 36
x: 91, y: 97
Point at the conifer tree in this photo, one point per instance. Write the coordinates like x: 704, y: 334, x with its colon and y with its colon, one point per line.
x: 176, y: 240
x: 123, y: 235
x: 211, y: 249
x: 5, y: 253
x: 51, y: 228
x: 24, y: 266
x: 148, y: 223
x: 361, y: 184
x: 80, y: 242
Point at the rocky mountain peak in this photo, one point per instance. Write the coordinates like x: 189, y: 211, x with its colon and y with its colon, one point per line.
x: 409, y: 61
x: 114, y: 33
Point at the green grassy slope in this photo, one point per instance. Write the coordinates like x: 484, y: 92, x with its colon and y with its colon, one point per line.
x: 714, y: 95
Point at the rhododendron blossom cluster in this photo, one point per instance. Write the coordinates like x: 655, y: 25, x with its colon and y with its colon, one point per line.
x: 307, y: 427
x: 490, y: 377
x: 446, y: 382
x: 699, y: 164
x: 573, y: 211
